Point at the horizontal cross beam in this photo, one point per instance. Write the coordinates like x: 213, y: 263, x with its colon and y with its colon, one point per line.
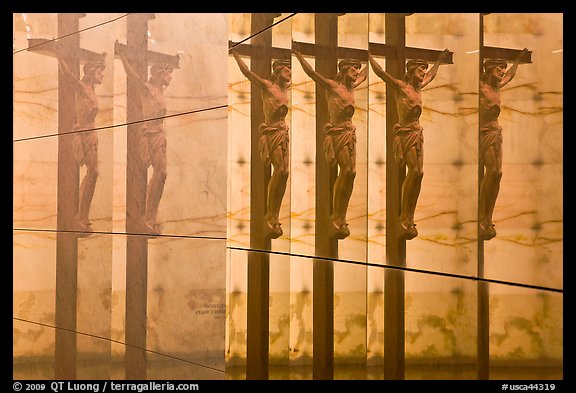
x: 151, y: 57
x: 385, y: 50
x: 489, y: 52
x: 46, y: 47
x: 255, y: 52
x: 314, y: 50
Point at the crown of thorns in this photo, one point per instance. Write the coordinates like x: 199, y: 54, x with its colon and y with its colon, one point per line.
x: 348, y: 63
x: 93, y: 65
x: 413, y: 63
x: 281, y: 63
x: 494, y: 62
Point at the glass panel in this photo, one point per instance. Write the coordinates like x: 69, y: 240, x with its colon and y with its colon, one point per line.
x: 376, y: 225
x: 303, y: 202
x: 91, y: 284
x: 33, y: 301
x: 81, y: 100
x: 160, y: 367
x: 440, y: 327
x: 526, y: 333
x: 35, y: 192
x: 279, y: 319
x: 528, y: 213
x: 256, y: 88
x: 185, y: 177
x: 186, y: 299
x: 350, y: 280
x: 446, y: 209
x: 35, y: 77
x: 94, y: 303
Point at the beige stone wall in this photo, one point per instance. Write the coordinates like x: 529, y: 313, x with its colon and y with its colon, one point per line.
x: 197, y: 270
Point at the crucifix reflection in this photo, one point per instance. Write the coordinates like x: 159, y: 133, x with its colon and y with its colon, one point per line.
x: 492, y: 80
x: 408, y: 142
x: 274, y: 138
x: 340, y: 133
x: 85, y: 138
x: 151, y: 136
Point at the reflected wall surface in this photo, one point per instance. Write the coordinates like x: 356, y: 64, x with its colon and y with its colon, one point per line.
x: 71, y: 312
x: 529, y: 209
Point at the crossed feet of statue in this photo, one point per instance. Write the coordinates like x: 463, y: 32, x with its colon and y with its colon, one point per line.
x: 408, y: 230
x: 339, y: 228
x: 272, y: 228
x: 487, y: 231
x: 82, y: 226
x: 150, y: 228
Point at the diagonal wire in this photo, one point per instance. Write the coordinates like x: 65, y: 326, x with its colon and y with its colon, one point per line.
x: 76, y: 32
x: 121, y: 124
x: 403, y: 268
x: 117, y: 342
x: 263, y: 30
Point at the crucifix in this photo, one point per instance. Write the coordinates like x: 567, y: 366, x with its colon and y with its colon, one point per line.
x: 261, y: 53
x: 139, y: 57
x: 493, y: 60
x: 396, y: 53
x: 72, y: 55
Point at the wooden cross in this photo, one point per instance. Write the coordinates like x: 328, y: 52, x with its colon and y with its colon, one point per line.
x: 68, y: 193
x: 257, y: 336
x: 136, y: 51
x: 483, y: 326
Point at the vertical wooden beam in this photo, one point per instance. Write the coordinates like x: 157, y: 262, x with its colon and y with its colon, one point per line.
x: 326, y: 31
x: 68, y: 194
x: 483, y: 322
x: 257, y: 345
x: 394, y: 337
x: 136, y: 179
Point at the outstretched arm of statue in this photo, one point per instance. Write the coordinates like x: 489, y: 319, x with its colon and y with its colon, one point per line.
x: 311, y: 72
x: 252, y: 77
x: 379, y: 71
x: 512, y: 71
x: 362, y: 75
x: 64, y: 68
x: 130, y: 71
x: 430, y: 75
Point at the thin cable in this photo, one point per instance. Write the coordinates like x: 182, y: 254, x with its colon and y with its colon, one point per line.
x: 118, y: 342
x: 263, y: 30
x: 68, y: 35
x: 408, y: 269
x: 122, y: 124
x: 119, y: 233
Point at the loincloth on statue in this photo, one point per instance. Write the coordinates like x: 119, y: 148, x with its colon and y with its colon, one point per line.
x: 151, y: 141
x: 338, y: 138
x: 406, y: 138
x: 490, y: 136
x: 270, y: 139
x: 84, y: 143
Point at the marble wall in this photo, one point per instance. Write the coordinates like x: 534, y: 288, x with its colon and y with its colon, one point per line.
x: 194, y: 269
x: 441, y: 314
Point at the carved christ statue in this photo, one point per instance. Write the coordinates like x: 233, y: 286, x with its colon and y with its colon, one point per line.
x: 85, y: 138
x: 493, y: 79
x: 340, y: 133
x: 152, y: 137
x: 274, y: 137
x: 408, y: 142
